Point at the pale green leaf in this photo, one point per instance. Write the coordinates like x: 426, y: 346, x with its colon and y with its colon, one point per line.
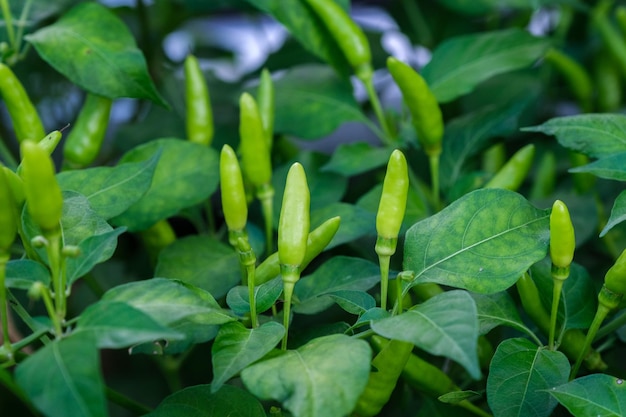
x: 593, y: 395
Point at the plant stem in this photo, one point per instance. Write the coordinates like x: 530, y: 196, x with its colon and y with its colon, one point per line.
x: 434, y: 178
x: 26, y: 318
x: 556, y: 295
x: 21, y: 23
x: 4, y: 308
x: 127, y: 403
x: 8, y: 21
x: 47, y: 300
x: 378, y: 110
x: 288, y: 292
x: 266, y: 197
x: 613, y: 325
x: 251, y: 295
x: 53, y: 250
x: 601, y: 314
x: 383, y: 262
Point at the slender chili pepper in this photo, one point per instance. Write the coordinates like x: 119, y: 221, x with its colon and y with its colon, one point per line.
x: 575, y: 74
x: 348, y: 35
x: 16, y: 185
x: 512, y: 174
x: 26, y: 121
x: 84, y: 141
x: 562, y: 245
x: 390, y: 215
x: 234, y: 203
x: 199, y: 120
x: 265, y: 100
x: 293, y: 232
x: 494, y: 158
x: 389, y: 363
x: 8, y: 215
x: 43, y: 194
x: 317, y: 241
x: 545, y: 177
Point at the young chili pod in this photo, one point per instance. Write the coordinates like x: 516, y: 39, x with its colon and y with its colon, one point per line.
x: 425, y: 112
x: 265, y: 100
x: 317, y: 241
x: 199, y: 116
x: 84, y: 141
x: 562, y: 239
x: 293, y: 226
x: 43, y: 194
x: 16, y: 185
x: 255, y: 154
x: 348, y: 35
x: 615, y: 278
x: 392, y: 203
x: 8, y: 214
x: 512, y: 174
x: 26, y: 121
x: 234, y: 203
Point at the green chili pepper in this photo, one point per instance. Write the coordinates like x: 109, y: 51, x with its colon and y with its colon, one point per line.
x: 317, y: 241
x: 199, y: 120
x: 390, y: 215
x: 43, y: 194
x: 425, y: 112
x: 293, y: 232
x: 576, y: 76
x: 512, y: 174
x: 615, y: 278
x: 83, y: 144
x: 545, y: 177
x: 265, y: 100
x: 348, y: 35
x: 388, y: 363
x: 50, y: 141
x: 26, y: 121
x: 16, y: 185
x: 234, y: 202
x: 8, y: 214
x: 613, y: 40
x: 494, y: 158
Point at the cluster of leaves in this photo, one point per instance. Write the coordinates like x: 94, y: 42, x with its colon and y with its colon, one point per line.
x: 177, y: 304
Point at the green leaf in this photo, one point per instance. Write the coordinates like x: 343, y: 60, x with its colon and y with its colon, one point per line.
x: 618, y: 213
x: 340, y: 273
x: 470, y: 134
x: 576, y: 308
x: 323, y: 378
x: 459, y: 64
x: 355, y: 222
x: 63, y: 378
x: 611, y: 167
x: 307, y: 28
x: 170, y: 302
x: 593, y: 395
x: 464, y: 245
x: 23, y: 273
x: 595, y: 135
x: 199, y: 401
x: 265, y: 295
x: 354, y: 302
x: 111, y: 190
x: 356, y: 158
x: 187, y: 173
x: 105, y: 58
x: 519, y: 375
x: 117, y: 325
x: 312, y: 101
x: 445, y: 325
x: 498, y: 310
x: 236, y: 347
x: 201, y: 261
x: 93, y: 250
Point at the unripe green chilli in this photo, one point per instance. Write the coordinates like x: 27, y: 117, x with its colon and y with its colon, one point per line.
x: 393, y: 199
x: 294, y: 223
x: 562, y: 240
x: 255, y: 154
x: 234, y: 203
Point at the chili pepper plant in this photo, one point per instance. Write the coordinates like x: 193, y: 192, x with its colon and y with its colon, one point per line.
x: 419, y: 218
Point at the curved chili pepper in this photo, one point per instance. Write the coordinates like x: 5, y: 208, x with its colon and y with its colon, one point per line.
x: 26, y: 121
x: 199, y: 116
x: 513, y: 173
x: 8, y: 215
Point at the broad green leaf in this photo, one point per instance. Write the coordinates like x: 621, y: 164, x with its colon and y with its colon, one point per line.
x: 459, y: 64
x: 170, y: 302
x: 201, y: 261
x: 354, y: 302
x: 187, y: 173
x: 470, y: 134
x: 105, y: 58
x: 356, y: 158
x: 618, y: 213
x: 63, y: 378
x: 611, y: 167
x: 340, y: 273
x: 520, y: 375
x: 465, y: 244
x: 576, y: 308
x: 445, y: 325
x: 498, y: 310
x: 93, y: 250
x: 265, y: 295
x: 111, y: 190
x: 22, y: 273
x: 323, y: 378
x: 117, y: 325
x: 193, y: 333
x: 307, y: 28
x: 199, y: 401
x: 595, y: 135
x: 236, y: 347
x: 355, y: 222
x: 312, y: 101
x: 593, y: 395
